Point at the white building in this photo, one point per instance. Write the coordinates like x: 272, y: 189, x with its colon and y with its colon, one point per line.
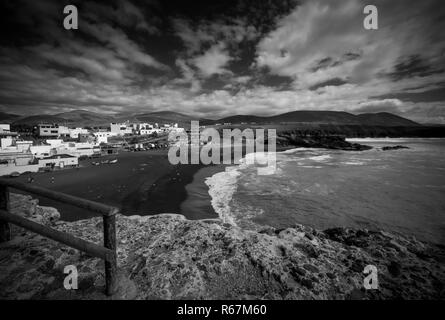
x: 59, y: 160
x: 74, y: 133
x: 5, y: 128
x: 42, y: 151
x: 23, y: 145
x: 7, y: 138
x: 53, y: 130
x: 149, y: 131
x: 77, y: 149
x: 102, y: 136
x: 121, y: 128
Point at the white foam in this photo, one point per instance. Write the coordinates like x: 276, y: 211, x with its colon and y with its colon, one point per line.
x: 321, y: 158
x: 387, y: 140
x: 353, y: 163
x: 222, y: 186
x: 313, y: 167
x: 298, y: 149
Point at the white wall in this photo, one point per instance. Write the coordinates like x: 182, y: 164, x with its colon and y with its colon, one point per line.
x: 5, y: 127
x: 8, y: 169
x: 60, y: 162
x: 40, y: 151
x: 5, y: 142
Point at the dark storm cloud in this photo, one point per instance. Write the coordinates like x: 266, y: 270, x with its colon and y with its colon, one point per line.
x: 433, y: 95
x: 413, y: 66
x: 330, y: 82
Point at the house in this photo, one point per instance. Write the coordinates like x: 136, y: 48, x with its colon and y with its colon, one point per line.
x: 23, y: 145
x: 5, y: 127
x: 42, y: 151
x: 78, y: 149
x: 59, y: 161
x: 74, y: 133
x: 17, y: 162
x: 52, y: 130
x: 6, y: 136
x: 121, y: 128
x: 102, y: 136
x: 143, y: 132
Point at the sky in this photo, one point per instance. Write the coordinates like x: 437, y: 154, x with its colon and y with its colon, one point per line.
x: 219, y: 58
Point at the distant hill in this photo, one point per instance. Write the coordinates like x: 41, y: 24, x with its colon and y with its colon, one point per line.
x: 385, y: 119
x: 86, y: 118
x: 34, y: 120
x: 157, y: 117
x: 326, y: 117
x: 8, y: 117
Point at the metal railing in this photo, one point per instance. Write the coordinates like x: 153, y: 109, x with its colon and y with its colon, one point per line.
x: 106, y: 252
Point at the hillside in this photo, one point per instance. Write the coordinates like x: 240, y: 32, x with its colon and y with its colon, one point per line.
x: 325, y: 117
x: 315, y: 118
x: 8, y: 117
x: 384, y: 119
x: 157, y: 117
x: 34, y: 120
x: 85, y: 118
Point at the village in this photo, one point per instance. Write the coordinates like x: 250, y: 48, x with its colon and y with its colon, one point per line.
x: 55, y: 146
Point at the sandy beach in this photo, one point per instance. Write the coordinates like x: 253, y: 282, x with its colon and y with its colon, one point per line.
x: 142, y: 183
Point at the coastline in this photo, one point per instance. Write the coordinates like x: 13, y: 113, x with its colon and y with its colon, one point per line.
x: 143, y: 183
x: 167, y: 256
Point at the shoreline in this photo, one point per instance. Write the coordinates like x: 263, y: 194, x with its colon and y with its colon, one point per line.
x: 140, y: 183
x: 167, y: 256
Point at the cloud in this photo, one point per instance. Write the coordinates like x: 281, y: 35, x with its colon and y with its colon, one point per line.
x: 124, y: 47
x: 311, y: 43
x: 126, y: 56
x: 385, y: 105
x: 213, y: 61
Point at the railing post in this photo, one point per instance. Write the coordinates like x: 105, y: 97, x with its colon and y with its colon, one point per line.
x: 5, y: 229
x: 110, y: 243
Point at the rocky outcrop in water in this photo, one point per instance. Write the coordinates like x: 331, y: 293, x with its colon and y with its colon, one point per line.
x: 294, y: 140
x: 169, y: 257
x: 386, y: 148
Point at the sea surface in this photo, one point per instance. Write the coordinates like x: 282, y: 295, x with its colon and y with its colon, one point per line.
x: 402, y: 191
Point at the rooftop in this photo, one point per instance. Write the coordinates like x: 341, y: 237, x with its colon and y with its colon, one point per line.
x: 61, y: 156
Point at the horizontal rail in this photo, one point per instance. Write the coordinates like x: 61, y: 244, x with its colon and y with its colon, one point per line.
x: 65, y: 238
x: 62, y: 197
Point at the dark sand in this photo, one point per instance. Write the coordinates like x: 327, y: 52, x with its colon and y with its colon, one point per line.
x: 142, y: 183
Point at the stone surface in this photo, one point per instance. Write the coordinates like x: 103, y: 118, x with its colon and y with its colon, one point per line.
x: 169, y: 257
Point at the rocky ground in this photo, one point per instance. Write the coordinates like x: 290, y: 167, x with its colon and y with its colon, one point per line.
x: 169, y: 257
x: 291, y: 139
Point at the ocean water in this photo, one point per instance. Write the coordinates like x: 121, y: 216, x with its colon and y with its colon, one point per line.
x: 402, y: 191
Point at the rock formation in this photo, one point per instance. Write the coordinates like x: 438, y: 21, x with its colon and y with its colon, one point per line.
x: 293, y: 139
x: 169, y: 257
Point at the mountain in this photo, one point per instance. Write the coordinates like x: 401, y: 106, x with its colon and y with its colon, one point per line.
x: 241, y: 119
x: 8, y: 117
x: 34, y: 120
x: 86, y: 118
x: 324, y: 117
x: 384, y: 119
x: 316, y: 116
x: 157, y: 117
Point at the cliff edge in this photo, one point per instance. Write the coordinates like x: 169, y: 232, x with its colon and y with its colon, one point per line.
x: 169, y: 257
